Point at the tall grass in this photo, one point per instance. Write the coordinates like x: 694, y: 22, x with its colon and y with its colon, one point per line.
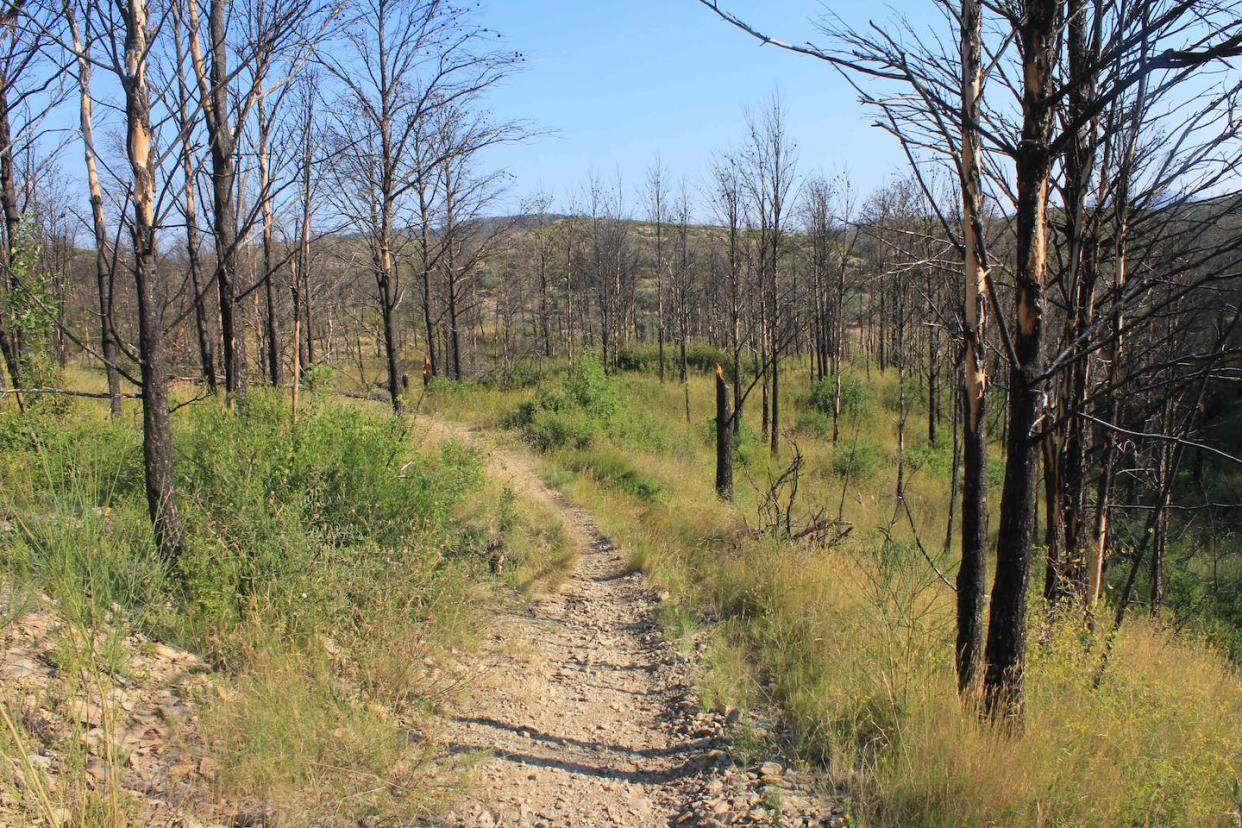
x: 853, y: 643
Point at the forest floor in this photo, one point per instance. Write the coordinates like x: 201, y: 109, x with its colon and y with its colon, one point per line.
x: 586, y: 715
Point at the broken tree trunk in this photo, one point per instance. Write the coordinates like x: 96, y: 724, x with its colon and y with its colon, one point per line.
x: 724, y: 439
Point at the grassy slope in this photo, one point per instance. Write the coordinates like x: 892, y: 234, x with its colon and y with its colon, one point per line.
x: 854, y: 642
x: 330, y: 570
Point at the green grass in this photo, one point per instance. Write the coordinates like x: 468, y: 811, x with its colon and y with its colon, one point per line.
x: 330, y: 566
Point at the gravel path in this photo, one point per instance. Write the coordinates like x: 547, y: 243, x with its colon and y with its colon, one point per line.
x: 582, y: 712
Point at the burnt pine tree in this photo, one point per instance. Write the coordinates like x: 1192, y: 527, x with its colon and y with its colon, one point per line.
x: 157, y: 448
x: 724, y: 439
x: 203, y: 328
x: 108, y: 349
x: 1037, y: 34
x: 970, y: 573
x: 222, y: 130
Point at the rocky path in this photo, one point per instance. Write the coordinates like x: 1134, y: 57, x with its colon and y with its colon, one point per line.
x: 582, y: 715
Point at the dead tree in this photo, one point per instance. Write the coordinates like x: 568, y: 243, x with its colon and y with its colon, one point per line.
x: 682, y: 277
x: 81, y: 41
x: 420, y: 57
x: 231, y: 80
x: 30, y: 89
x: 657, y: 201
x: 770, y: 159
x: 1066, y: 76
x: 157, y: 448
x: 971, y: 571
x: 729, y: 202
x: 189, y: 167
x: 724, y: 439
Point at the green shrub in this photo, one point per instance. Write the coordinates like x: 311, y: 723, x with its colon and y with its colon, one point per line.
x: 274, y: 514
x: 572, y: 415
x: 549, y: 398
x: 319, y: 377
x: 635, y: 356
x: 522, y: 416
x: 703, y: 357
x: 589, y: 388
x: 351, y: 474
x: 549, y: 430
x: 855, y: 395
x: 857, y: 461
x: 610, y: 468
x: 523, y: 374
x: 745, y: 441
x: 645, y: 357
x: 937, y: 460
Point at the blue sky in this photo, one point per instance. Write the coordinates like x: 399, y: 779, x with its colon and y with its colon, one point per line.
x: 614, y: 83
x: 620, y: 81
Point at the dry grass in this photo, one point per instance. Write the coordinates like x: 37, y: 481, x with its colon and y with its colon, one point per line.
x: 855, y: 641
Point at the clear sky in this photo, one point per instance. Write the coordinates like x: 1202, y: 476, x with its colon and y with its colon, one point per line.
x: 614, y: 83
x: 620, y: 81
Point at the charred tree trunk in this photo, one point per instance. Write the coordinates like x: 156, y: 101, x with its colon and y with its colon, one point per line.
x: 216, y: 106
x: 157, y: 447
x: 971, y: 572
x: 14, y: 342
x: 272, y: 322
x: 545, y: 307
x: 388, y: 314
x: 202, y: 329
x: 299, y: 283
x: 425, y: 265
x: 724, y: 439
x: 1006, y: 643
x: 206, y: 353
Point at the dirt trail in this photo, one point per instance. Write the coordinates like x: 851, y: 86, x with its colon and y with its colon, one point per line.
x: 582, y: 710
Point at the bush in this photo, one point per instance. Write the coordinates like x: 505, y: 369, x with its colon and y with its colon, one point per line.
x: 645, y: 357
x: 611, y: 468
x: 936, y: 459
x: 589, y: 388
x: 855, y: 395
x: 275, y: 515
x: 524, y: 374
x: 857, y: 461
x: 571, y: 416
x: 351, y: 475
x: 745, y: 441
x: 319, y: 377
x: 549, y: 430
x: 634, y: 356
x: 703, y: 357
